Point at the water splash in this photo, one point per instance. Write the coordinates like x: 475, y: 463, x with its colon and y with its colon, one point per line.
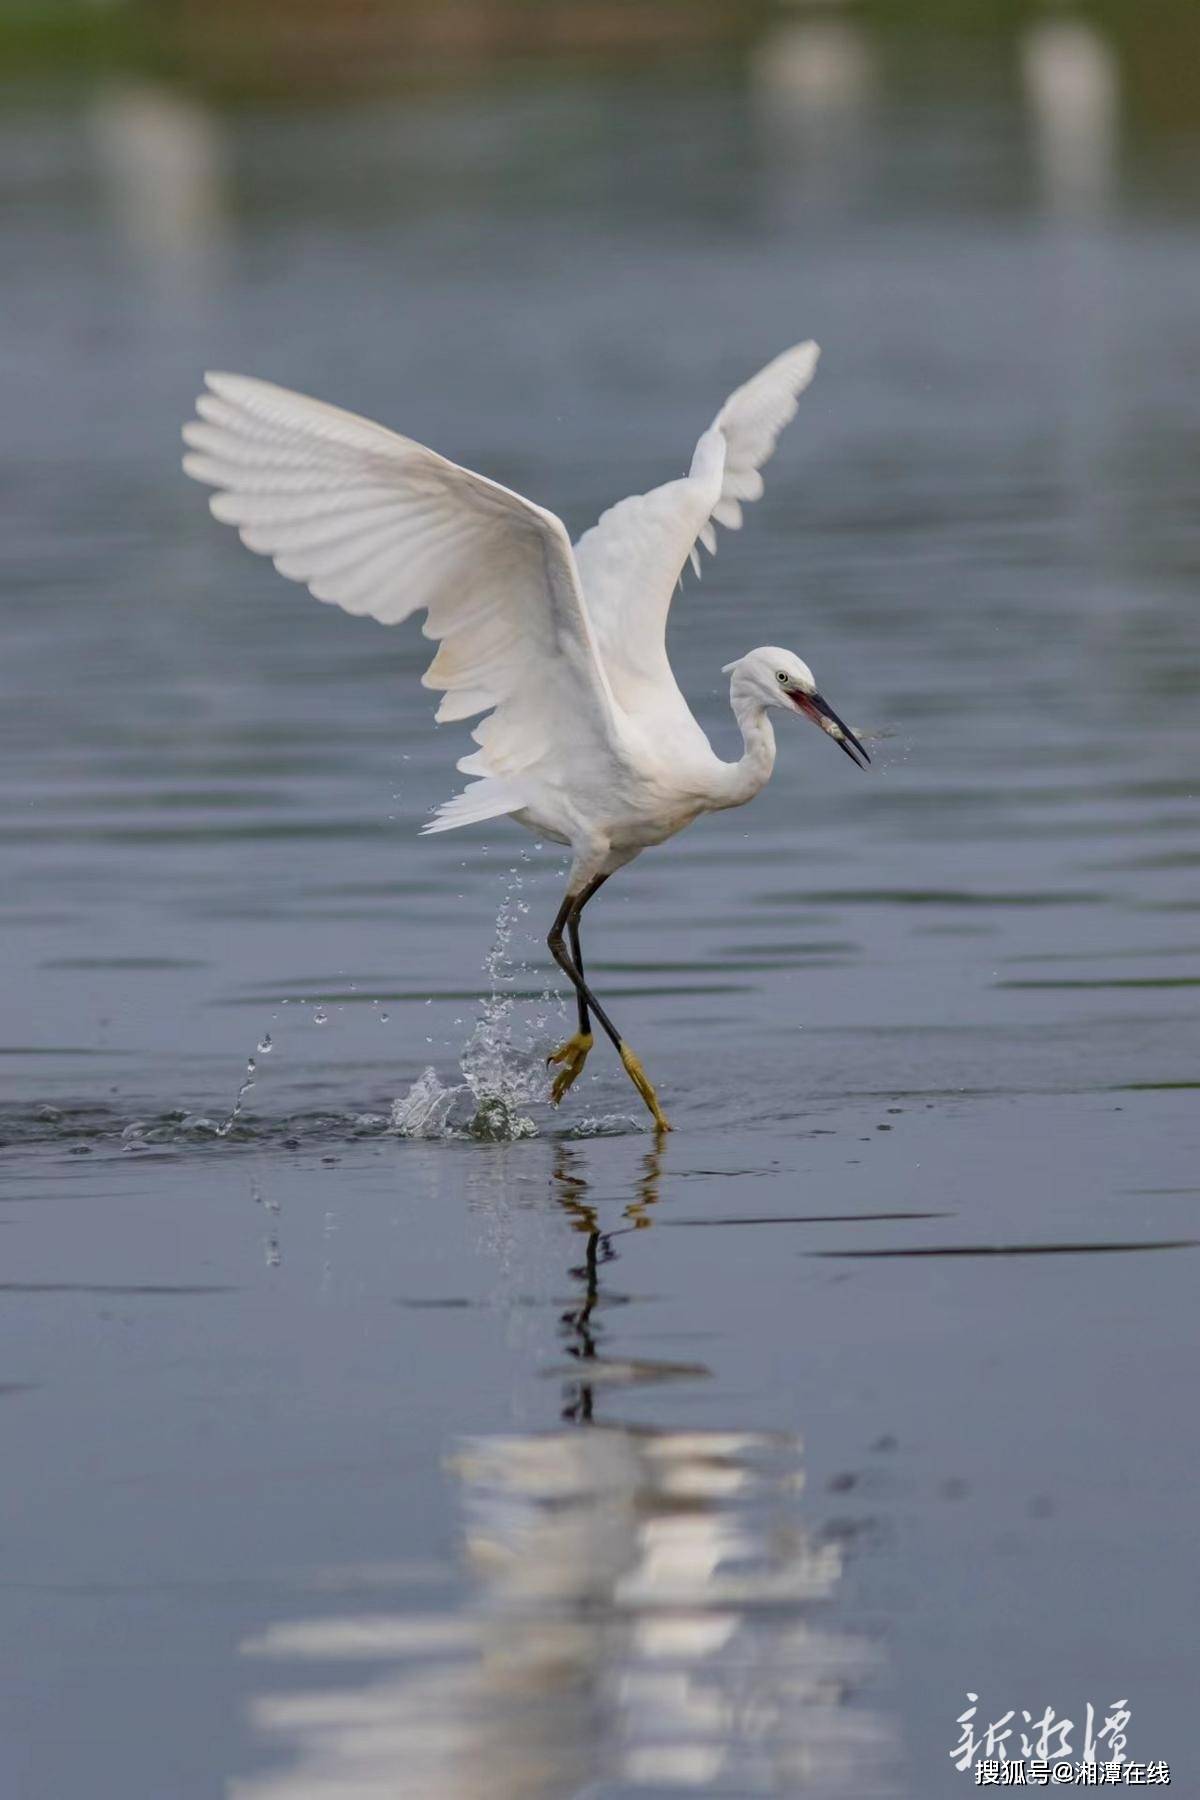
x: 247, y: 1084
x: 264, y: 1047
x: 503, y: 1072
x: 424, y: 1111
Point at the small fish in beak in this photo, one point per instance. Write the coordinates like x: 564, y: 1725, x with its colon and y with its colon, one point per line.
x: 821, y: 713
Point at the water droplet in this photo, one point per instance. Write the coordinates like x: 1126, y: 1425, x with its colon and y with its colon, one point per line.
x: 265, y: 1046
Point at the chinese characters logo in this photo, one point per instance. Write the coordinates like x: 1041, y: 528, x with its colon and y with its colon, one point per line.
x: 1037, y: 1752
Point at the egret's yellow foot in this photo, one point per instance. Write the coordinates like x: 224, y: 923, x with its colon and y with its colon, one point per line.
x: 640, y: 1080
x: 572, y: 1055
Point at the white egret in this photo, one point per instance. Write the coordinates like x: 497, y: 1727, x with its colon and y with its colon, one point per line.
x: 587, y: 739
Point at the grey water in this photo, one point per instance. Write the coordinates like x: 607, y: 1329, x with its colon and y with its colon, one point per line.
x: 369, y: 1428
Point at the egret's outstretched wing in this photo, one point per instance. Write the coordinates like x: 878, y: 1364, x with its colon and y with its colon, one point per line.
x: 631, y: 560
x: 379, y: 525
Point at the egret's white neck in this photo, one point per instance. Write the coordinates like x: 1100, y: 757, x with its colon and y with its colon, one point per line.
x: 752, y: 771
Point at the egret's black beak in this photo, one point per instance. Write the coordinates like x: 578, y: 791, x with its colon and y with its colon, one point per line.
x: 822, y: 714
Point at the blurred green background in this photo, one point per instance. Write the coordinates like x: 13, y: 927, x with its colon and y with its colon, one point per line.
x: 260, y: 47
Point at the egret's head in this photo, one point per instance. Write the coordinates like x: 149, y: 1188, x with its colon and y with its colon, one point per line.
x: 774, y: 677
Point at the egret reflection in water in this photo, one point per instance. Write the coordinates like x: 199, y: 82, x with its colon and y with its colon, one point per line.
x: 650, y: 1608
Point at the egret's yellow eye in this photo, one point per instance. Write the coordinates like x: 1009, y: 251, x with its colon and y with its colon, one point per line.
x: 781, y: 674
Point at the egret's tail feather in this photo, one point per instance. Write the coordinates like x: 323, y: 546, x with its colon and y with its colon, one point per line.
x: 490, y: 798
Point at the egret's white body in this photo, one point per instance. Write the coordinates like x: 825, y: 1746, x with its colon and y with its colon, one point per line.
x: 586, y: 738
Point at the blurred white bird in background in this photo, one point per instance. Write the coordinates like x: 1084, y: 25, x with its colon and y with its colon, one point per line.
x: 587, y: 739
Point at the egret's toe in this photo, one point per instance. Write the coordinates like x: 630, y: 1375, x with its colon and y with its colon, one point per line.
x: 641, y: 1082
x: 572, y: 1055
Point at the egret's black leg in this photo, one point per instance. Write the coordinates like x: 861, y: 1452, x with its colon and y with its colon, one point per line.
x: 581, y: 901
x: 573, y: 1054
x: 568, y: 916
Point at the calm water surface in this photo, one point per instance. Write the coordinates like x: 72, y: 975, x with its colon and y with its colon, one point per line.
x: 522, y: 1457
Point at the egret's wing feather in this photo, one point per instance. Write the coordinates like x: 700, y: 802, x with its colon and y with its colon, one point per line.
x: 631, y: 559
x: 751, y: 421
x: 377, y: 524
